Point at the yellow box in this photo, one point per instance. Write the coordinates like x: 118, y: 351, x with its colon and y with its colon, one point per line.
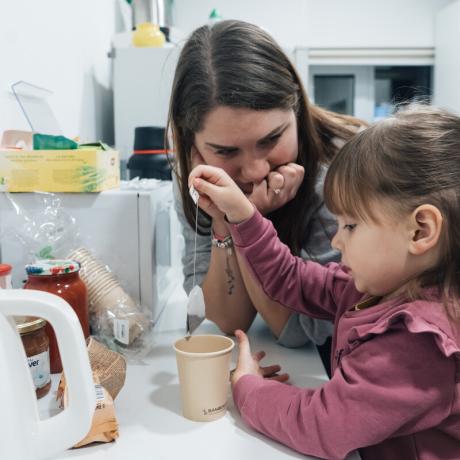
x: 80, y: 170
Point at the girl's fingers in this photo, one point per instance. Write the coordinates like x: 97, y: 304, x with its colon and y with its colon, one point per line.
x: 204, y: 187
x: 268, y: 371
x: 243, y: 342
x: 279, y: 378
x: 258, y: 356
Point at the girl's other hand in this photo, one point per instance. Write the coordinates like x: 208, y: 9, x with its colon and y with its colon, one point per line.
x: 248, y: 364
x: 219, y: 193
x: 279, y: 187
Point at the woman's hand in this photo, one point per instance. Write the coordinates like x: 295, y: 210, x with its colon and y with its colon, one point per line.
x: 219, y: 193
x: 279, y: 187
x: 248, y: 364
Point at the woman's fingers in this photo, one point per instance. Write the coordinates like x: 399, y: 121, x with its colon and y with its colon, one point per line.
x: 275, y: 181
x: 293, y: 175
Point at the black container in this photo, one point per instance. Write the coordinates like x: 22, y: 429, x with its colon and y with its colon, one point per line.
x: 150, y: 157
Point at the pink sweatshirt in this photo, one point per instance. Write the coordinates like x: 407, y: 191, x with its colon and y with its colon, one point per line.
x: 394, y: 392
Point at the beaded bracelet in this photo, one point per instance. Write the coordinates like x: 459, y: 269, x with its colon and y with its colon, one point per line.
x: 222, y: 243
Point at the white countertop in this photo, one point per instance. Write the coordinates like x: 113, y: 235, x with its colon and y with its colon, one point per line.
x: 148, y: 407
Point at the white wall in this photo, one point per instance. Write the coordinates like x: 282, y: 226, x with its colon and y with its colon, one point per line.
x: 447, y: 60
x: 61, y: 45
x: 325, y: 23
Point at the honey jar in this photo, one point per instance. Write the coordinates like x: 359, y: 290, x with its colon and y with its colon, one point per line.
x: 36, y: 346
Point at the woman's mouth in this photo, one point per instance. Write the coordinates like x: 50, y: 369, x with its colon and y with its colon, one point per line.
x: 246, y: 189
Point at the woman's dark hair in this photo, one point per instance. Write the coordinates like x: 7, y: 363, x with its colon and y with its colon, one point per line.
x: 237, y: 64
x: 402, y: 162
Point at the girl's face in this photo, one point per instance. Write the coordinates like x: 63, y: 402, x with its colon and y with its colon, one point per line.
x: 248, y: 144
x: 376, y: 255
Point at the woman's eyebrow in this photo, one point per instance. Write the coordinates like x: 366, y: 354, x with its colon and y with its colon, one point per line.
x: 278, y: 130
x: 221, y: 147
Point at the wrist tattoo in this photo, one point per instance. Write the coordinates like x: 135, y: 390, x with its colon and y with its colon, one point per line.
x: 229, y: 273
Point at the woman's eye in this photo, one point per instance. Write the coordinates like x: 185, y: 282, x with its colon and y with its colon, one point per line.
x: 226, y: 152
x: 349, y: 227
x: 270, y: 140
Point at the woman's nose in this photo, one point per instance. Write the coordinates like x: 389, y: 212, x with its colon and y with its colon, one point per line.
x: 255, y: 170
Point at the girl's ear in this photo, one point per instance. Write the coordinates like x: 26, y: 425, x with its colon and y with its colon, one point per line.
x: 426, y: 224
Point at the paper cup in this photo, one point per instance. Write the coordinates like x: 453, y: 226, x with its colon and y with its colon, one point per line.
x: 203, y: 363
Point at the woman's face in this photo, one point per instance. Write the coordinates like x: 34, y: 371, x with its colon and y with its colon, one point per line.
x: 248, y: 144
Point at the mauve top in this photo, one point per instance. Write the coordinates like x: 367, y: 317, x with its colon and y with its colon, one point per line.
x: 394, y: 392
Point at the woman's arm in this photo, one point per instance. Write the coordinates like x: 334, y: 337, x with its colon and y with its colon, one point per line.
x: 227, y: 301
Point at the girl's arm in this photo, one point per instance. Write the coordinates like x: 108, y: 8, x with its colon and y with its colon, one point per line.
x: 379, y: 391
x: 302, y: 286
x: 275, y: 271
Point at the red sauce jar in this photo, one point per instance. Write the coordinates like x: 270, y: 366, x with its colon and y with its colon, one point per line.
x: 60, y: 277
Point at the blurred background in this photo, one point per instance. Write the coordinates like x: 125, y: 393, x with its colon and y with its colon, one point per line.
x: 359, y: 57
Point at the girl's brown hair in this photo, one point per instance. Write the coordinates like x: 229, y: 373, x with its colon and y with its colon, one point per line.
x: 237, y: 64
x: 407, y: 160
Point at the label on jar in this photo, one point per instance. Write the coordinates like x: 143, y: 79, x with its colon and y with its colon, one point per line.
x: 39, y: 366
x: 121, y: 330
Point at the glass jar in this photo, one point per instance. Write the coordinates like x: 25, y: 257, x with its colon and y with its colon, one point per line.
x: 5, y: 276
x: 36, y: 346
x: 60, y: 277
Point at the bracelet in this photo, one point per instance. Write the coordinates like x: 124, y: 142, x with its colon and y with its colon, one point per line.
x: 221, y: 242
x: 227, y: 244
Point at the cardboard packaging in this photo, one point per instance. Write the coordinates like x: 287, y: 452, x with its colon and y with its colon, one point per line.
x: 81, y: 170
x: 89, y: 168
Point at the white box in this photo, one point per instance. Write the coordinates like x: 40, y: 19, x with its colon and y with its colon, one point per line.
x: 135, y: 232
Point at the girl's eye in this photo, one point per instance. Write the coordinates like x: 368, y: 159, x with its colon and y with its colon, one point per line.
x: 349, y: 227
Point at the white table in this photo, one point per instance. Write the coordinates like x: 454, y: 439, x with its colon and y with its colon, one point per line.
x: 148, y: 407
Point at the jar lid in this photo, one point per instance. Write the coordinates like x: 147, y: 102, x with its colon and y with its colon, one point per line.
x: 26, y: 324
x: 5, y: 269
x: 53, y: 267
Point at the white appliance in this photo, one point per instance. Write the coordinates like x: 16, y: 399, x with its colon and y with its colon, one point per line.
x: 23, y: 434
x: 142, y: 82
x: 136, y: 233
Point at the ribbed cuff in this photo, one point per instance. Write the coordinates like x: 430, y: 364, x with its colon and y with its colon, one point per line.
x: 249, y: 231
x: 244, y: 386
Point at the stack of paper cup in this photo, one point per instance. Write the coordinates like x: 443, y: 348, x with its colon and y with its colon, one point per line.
x: 107, y: 298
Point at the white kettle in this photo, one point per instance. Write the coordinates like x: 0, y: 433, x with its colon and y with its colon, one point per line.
x: 23, y: 436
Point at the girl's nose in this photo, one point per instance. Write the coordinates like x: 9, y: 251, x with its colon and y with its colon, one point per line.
x: 255, y: 170
x: 335, y: 242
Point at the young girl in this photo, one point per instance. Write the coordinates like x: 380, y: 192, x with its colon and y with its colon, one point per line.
x: 394, y: 299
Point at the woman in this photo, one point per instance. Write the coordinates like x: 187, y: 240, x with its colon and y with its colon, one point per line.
x: 238, y: 103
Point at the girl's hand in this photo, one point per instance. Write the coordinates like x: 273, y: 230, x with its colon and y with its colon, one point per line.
x: 206, y: 205
x: 280, y: 186
x: 248, y: 364
x: 219, y: 193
